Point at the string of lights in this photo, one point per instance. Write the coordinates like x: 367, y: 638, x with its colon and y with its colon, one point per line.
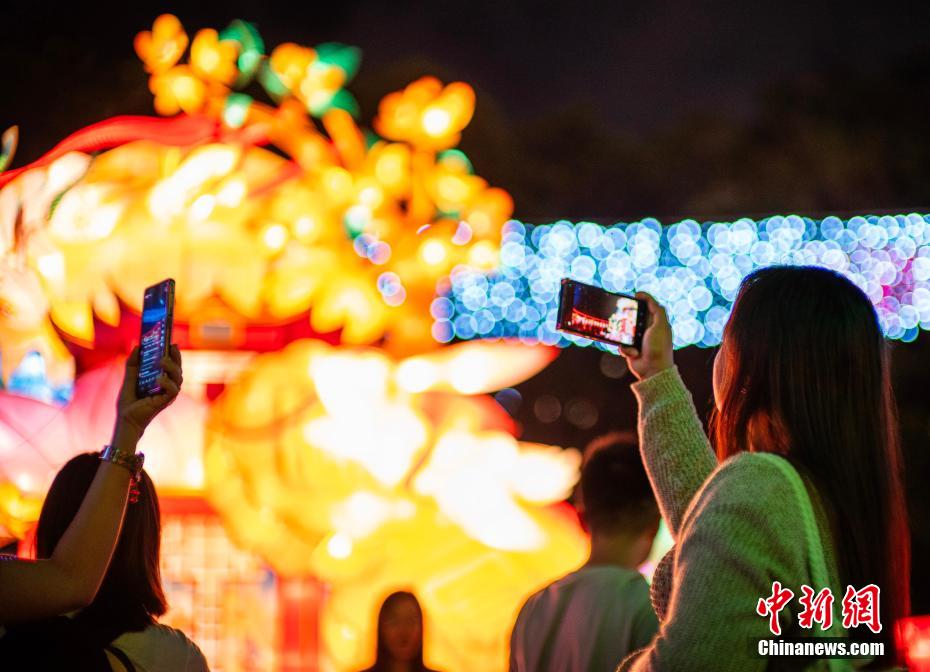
x: 692, y: 268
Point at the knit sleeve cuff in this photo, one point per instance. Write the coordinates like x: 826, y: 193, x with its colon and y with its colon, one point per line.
x: 664, y: 386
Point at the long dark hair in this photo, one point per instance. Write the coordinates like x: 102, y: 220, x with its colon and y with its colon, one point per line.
x: 383, y: 656
x: 131, y: 594
x: 807, y: 376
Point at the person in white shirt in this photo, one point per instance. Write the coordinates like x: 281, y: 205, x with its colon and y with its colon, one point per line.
x: 119, y: 629
x: 589, y: 620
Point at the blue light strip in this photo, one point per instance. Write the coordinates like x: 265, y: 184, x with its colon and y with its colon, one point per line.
x: 693, y: 269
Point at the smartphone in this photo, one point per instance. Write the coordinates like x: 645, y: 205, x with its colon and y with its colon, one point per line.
x: 600, y: 315
x: 155, y: 336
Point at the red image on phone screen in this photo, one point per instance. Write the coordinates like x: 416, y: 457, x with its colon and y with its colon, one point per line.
x: 600, y: 315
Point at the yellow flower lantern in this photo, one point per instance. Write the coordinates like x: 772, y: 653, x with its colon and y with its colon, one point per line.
x: 357, y: 232
x: 163, y: 46
x: 373, y: 474
x: 427, y: 114
x: 213, y: 59
x: 356, y: 463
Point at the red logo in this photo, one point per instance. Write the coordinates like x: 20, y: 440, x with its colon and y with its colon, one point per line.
x: 818, y: 608
x: 860, y: 607
x: 772, y: 605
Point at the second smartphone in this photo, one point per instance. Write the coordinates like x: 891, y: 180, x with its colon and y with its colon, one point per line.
x: 595, y: 313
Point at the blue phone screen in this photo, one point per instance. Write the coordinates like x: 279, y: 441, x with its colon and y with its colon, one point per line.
x: 152, y: 341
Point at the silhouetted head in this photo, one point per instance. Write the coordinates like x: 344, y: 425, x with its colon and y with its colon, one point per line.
x: 131, y: 593
x: 400, y: 632
x: 614, y: 496
x: 803, y: 371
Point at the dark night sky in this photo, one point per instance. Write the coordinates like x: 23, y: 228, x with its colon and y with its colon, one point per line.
x: 640, y: 64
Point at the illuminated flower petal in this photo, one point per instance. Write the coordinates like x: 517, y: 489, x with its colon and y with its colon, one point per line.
x: 162, y: 47
x: 290, y: 62
x: 212, y: 58
x: 426, y: 114
x: 177, y: 90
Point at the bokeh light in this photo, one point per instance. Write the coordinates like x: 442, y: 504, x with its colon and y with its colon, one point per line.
x: 694, y: 269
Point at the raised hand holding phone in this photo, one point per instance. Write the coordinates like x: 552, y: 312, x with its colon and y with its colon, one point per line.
x: 655, y: 352
x: 70, y: 578
x: 153, y: 370
x: 134, y: 413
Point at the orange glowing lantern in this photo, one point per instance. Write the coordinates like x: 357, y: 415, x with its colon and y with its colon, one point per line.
x: 348, y: 465
x: 214, y: 59
x: 163, y: 46
x: 229, y: 219
x: 178, y: 90
x: 345, y: 463
x: 427, y: 114
x: 290, y: 63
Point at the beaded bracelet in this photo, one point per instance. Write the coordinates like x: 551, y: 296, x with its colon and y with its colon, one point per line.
x: 133, y: 462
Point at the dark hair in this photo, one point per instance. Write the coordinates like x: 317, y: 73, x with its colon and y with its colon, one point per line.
x: 131, y: 595
x: 807, y: 376
x: 383, y: 656
x: 614, y: 493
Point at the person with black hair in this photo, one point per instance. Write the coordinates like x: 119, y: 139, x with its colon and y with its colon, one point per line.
x: 68, y: 578
x: 806, y: 487
x: 119, y: 629
x: 592, y: 618
x: 399, y: 645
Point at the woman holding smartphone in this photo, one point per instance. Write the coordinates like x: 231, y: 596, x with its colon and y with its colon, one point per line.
x: 802, y: 389
x: 70, y: 577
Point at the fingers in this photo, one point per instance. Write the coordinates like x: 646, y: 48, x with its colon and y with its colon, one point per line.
x: 169, y: 385
x: 131, y: 374
x: 648, y: 298
x: 656, y: 310
x: 172, y: 376
x: 172, y: 369
x: 169, y: 389
x: 629, y: 352
x: 132, y: 363
x: 654, y: 306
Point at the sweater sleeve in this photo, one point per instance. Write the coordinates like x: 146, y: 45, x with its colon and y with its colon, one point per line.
x: 675, y: 450
x: 644, y: 622
x: 736, y: 540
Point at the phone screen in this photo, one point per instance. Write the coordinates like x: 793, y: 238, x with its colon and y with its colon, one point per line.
x: 595, y: 313
x: 155, y: 336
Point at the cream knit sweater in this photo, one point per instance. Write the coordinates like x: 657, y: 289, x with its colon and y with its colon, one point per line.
x: 736, y: 528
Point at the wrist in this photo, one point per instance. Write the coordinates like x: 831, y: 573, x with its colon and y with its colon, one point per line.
x: 656, y: 369
x: 126, y: 435
x: 131, y: 462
